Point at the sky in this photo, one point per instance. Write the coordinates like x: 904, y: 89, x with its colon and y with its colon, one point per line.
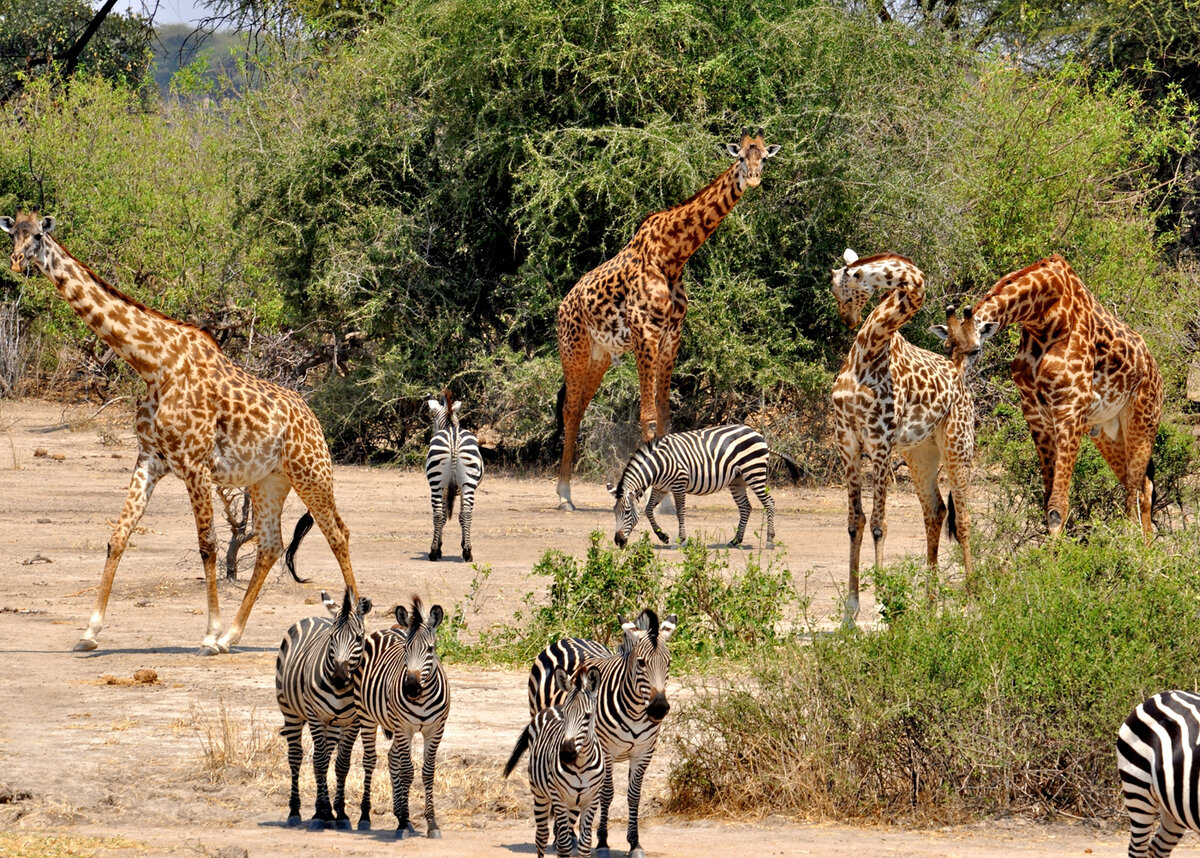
x: 169, y: 11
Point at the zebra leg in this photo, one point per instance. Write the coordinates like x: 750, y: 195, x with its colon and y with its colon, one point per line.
x: 606, y: 797
x: 585, y: 829
x: 768, y: 503
x: 680, y: 496
x: 427, y: 771
x: 324, y: 811
x: 292, y: 728
x: 541, y: 821
x: 401, y: 768
x: 656, y: 495
x: 562, y: 829
x: 368, y: 762
x: 439, y: 521
x: 342, y: 768
x: 637, y: 770
x: 1167, y: 837
x: 572, y: 827
x: 464, y: 519
x: 738, y: 490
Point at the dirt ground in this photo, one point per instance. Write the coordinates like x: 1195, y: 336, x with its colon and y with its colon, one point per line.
x: 94, y: 762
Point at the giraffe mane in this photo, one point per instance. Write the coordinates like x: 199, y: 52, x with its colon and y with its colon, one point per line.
x: 1014, y: 276
x: 878, y: 257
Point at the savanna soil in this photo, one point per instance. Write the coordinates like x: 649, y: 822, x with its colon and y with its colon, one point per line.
x: 188, y: 761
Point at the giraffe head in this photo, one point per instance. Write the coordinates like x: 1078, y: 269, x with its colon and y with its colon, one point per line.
x: 751, y: 151
x: 28, y: 231
x: 851, y: 289
x: 963, y: 338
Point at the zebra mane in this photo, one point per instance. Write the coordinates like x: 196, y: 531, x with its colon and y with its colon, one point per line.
x: 650, y: 618
x: 416, y: 615
x: 642, y: 449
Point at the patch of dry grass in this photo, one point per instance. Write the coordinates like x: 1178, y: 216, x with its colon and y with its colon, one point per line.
x: 20, y: 845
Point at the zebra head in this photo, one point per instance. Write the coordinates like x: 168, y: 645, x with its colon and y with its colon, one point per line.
x: 628, y: 493
x: 644, y: 644
x: 420, y: 649
x: 344, y: 652
x: 444, y: 409
x: 578, y: 712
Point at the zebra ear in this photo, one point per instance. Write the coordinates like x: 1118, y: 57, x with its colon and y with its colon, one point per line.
x: 328, y: 602
x: 591, y: 679
x: 667, y: 628
x: 401, y: 614
x: 364, y: 606
x: 627, y: 626
x: 433, y: 404
x: 562, y: 680
x: 435, y: 616
x: 612, y: 490
x: 457, y: 405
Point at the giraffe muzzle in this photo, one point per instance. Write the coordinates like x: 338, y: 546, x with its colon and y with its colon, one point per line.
x: 18, y: 262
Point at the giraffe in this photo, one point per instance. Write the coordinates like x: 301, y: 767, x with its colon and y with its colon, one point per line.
x: 203, y: 419
x: 636, y: 301
x: 1078, y: 369
x: 891, y: 396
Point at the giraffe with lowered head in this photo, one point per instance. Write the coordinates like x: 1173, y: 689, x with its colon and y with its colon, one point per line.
x: 636, y: 301
x: 892, y: 397
x: 203, y: 419
x: 1078, y: 369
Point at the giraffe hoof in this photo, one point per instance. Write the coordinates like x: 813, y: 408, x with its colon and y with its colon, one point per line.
x: 566, y: 506
x: 84, y: 645
x: 208, y: 649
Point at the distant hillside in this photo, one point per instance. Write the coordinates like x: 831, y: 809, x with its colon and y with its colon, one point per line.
x: 179, y: 45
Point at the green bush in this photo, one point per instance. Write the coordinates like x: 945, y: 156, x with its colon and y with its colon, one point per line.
x: 1008, y: 701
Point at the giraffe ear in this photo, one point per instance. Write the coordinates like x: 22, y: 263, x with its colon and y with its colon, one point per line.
x: 8, y: 224
x: 940, y: 331
x: 47, y: 224
x: 850, y: 256
x: 987, y: 330
x: 772, y: 150
x: 733, y: 150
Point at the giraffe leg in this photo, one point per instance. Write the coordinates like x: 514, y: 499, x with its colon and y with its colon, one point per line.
x: 663, y: 370
x: 959, y: 455
x: 266, y: 497
x: 582, y: 380
x: 848, y: 447
x: 646, y: 351
x: 881, y: 461
x: 1139, y: 427
x: 317, y: 496
x: 1067, y: 438
x: 200, y: 489
x: 923, y: 462
x: 149, y: 469
x: 1041, y: 430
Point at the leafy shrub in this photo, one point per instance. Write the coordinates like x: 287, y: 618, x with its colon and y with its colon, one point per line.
x: 1009, y: 701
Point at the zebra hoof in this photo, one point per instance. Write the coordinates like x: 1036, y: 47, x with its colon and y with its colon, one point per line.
x: 434, y: 833
x: 316, y: 824
x: 637, y: 852
x: 364, y: 824
x: 435, y: 555
x: 467, y: 555
x: 84, y: 645
x: 295, y: 821
x: 343, y: 825
x: 662, y: 537
x: 600, y: 852
x: 406, y: 832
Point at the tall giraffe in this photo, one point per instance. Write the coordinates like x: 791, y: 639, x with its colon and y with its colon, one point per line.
x: 1078, y: 369
x: 636, y: 301
x: 203, y: 419
x: 892, y: 397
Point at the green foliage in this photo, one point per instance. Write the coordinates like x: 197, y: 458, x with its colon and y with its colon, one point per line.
x: 1008, y: 700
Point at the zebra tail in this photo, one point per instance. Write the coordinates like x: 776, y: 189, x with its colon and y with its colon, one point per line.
x: 951, y: 517
x: 518, y: 751
x: 303, y: 526
x: 794, y: 470
x: 451, y: 494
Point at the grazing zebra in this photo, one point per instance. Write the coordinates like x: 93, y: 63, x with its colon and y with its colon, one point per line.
x: 453, y: 466
x: 1158, y: 757
x: 314, y: 684
x: 699, y: 462
x: 566, y: 764
x: 403, y: 689
x: 631, y: 703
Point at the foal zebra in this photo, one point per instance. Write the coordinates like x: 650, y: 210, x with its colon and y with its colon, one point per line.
x: 631, y: 702
x: 699, y: 462
x: 314, y: 684
x: 566, y: 764
x: 403, y: 689
x: 1158, y: 757
x: 453, y: 466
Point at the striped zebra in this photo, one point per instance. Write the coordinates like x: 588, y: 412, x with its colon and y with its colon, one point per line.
x: 314, y: 684
x: 403, y: 689
x: 699, y: 462
x: 1158, y: 758
x: 566, y: 764
x: 631, y: 700
x: 453, y: 466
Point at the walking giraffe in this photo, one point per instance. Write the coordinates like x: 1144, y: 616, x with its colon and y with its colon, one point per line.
x: 1078, y: 368
x: 636, y: 302
x: 892, y: 397
x: 203, y: 419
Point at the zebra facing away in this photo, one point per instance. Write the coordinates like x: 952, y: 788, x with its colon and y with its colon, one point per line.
x: 631, y: 702
x: 452, y: 467
x: 1158, y: 758
x: 403, y: 689
x: 566, y: 764
x: 314, y: 684
x: 699, y: 462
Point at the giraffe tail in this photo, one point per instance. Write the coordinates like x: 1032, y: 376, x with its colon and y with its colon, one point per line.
x: 303, y: 526
x: 951, y: 517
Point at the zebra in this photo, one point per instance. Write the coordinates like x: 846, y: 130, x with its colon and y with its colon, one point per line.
x: 403, y: 689
x: 453, y: 466
x: 1158, y: 758
x: 566, y: 764
x: 314, y: 684
x: 631, y: 703
x: 699, y: 462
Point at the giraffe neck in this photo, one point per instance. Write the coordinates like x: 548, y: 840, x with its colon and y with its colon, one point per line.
x: 897, y: 308
x: 134, y: 331
x: 696, y: 219
x: 1033, y: 299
